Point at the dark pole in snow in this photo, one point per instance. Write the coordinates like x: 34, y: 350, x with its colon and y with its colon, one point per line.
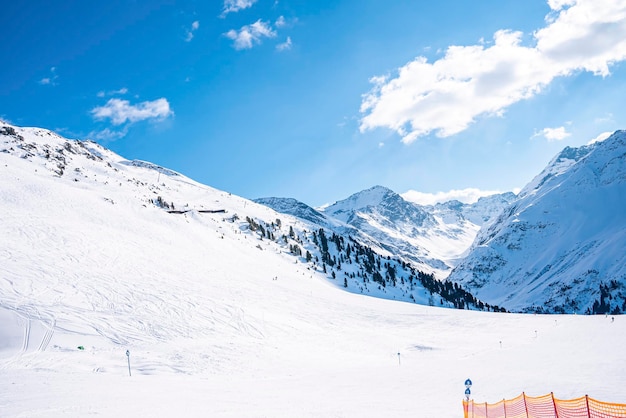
x: 128, y: 355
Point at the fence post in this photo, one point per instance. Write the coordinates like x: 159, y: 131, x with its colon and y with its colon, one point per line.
x: 556, y: 414
x: 486, y: 412
x: 587, y: 402
x: 525, y: 406
x: 504, y: 406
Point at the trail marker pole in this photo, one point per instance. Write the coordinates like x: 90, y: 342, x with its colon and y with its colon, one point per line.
x: 128, y: 356
x: 468, y: 392
x: 398, y: 359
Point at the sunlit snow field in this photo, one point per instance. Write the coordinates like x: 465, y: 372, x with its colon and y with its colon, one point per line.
x: 221, y: 324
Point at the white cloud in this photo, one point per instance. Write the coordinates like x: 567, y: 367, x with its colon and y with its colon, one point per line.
x: 469, y: 195
x: 50, y: 80
x: 194, y: 27
x: 559, y: 4
x: 107, y: 134
x: 280, y: 22
x: 249, y: 35
x: 285, y: 45
x: 236, y: 5
x: 600, y: 138
x: 553, y: 134
x: 121, y: 91
x: 446, y: 96
x: 121, y: 111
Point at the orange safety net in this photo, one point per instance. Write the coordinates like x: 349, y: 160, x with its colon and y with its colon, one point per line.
x: 546, y: 406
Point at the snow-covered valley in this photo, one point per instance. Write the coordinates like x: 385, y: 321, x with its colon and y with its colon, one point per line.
x: 220, y: 322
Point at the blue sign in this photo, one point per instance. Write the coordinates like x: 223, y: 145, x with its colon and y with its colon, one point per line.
x: 468, y: 383
x: 467, y: 391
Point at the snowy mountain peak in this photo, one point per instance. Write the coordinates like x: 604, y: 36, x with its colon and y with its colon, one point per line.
x: 373, y: 196
x: 377, y: 200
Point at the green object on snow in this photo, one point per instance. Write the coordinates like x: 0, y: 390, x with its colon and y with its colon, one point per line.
x: 80, y: 347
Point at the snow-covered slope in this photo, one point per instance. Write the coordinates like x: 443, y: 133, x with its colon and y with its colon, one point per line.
x: 561, y: 247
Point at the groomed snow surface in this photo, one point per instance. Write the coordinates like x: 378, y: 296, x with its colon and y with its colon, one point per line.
x: 221, y: 324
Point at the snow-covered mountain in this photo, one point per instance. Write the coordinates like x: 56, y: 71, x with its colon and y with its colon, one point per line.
x: 431, y: 237
x: 561, y: 246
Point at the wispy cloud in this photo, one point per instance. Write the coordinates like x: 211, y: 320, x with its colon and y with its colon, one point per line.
x: 469, y: 195
x: 250, y: 35
x: 604, y: 119
x: 121, y: 91
x: 231, y: 6
x: 190, y: 31
x: 446, y: 96
x: 121, y: 111
x: 4, y: 119
x: 51, y: 79
x: 285, y: 45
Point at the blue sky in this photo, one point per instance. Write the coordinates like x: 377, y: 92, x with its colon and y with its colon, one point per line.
x: 317, y: 100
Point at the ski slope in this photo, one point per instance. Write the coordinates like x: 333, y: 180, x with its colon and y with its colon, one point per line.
x: 221, y: 323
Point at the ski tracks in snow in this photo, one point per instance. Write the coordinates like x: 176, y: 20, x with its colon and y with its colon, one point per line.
x: 36, y: 333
